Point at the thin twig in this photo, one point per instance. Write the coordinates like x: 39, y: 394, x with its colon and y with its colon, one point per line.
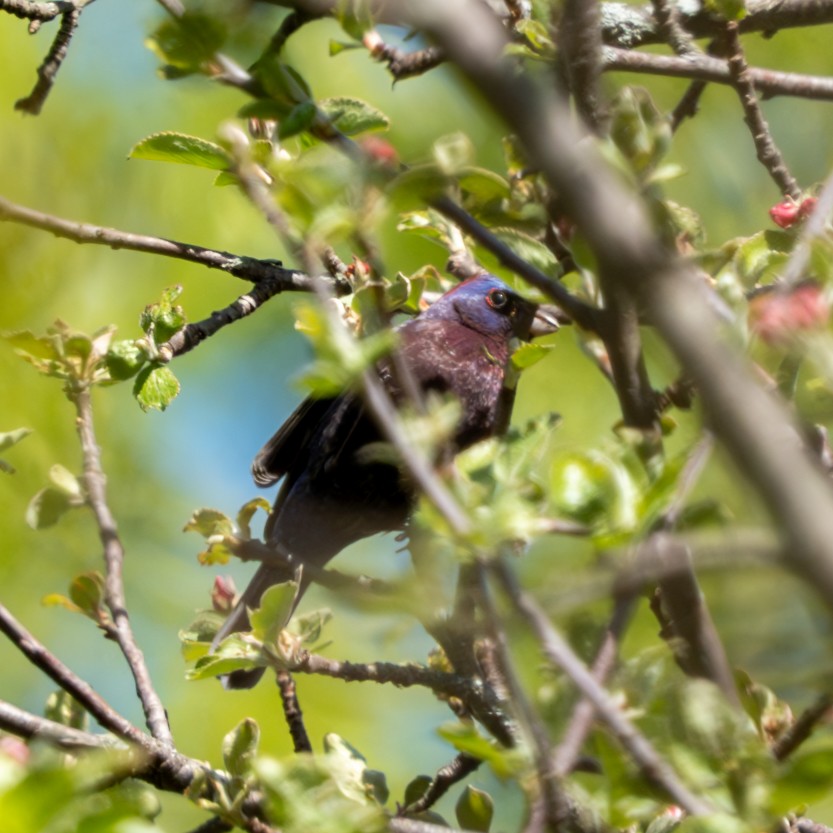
x: 240, y: 266
x: 402, y: 676
x: 292, y: 712
x: 94, y: 481
x: 556, y: 805
x: 443, y: 781
x: 194, y: 333
x: 581, y: 313
x: 558, y: 652
x: 39, y: 656
x: 688, y: 105
x: 567, y: 753
x: 767, y: 151
x: 47, y: 71
x: 668, y: 22
x: 802, y: 728
x: 402, y: 64
x: 687, y: 625
x: 768, y: 82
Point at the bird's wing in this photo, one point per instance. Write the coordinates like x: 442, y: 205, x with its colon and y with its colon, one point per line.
x: 289, y: 442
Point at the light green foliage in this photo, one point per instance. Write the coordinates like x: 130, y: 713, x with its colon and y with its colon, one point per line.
x: 48, y: 796
x: 185, y: 150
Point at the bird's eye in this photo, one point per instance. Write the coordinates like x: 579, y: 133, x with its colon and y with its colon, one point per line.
x: 497, y: 299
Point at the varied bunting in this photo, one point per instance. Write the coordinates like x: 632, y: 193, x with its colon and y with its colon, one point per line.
x: 335, y: 491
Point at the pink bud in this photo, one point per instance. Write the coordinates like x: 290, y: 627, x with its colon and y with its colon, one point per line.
x: 14, y: 748
x: 380, y: 151
x: 223, y: 594
x: 779, y: 315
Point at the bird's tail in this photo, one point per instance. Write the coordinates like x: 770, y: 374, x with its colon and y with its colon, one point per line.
x: 238, y: 619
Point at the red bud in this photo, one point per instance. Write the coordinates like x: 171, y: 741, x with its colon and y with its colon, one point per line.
x: 788, y: 213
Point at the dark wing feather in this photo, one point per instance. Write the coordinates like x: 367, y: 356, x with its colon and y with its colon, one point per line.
x: 282, y: 450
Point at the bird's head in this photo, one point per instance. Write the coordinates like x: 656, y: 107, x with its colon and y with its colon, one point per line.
x: 486, y: 304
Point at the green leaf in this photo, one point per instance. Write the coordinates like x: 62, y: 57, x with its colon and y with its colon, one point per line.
x: 299, y: 118
x: 87, y: 592
x: 66, y: 481
x: 505, y: 763
x: 282, y: 83
x: 308, y: 627
x: 10, y: 438
x: 185, y: 43
x: 338, y: 46
x: 235, y: 652
x: 807, y: 777
x: 182, y: 149
x: 47, y: 507
x: 64, y: 709
x: 354, y: 776
x: 582, y: 486
x: 245, y: 515
x: 125, y: 359
x: 240, y: 747
x: 640, y: 131
x: 352, y: 116
x: 531, y: 250
x: 453, y: 152
x: 529, y: 354
x: 417, y: 788
x: 483, y: 185
x: 202, y: 631
x: 210, y: 522
x: 155, y: 387
x: 276, y: 606
x: 475, y: 809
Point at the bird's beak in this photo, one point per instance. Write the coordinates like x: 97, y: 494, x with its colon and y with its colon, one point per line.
x: 548, y: 319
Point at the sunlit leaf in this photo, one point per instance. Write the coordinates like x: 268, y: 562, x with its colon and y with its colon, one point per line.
x: 183, y: 149
x: 155, y: 388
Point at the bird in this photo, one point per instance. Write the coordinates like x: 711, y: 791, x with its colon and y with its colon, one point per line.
x: 335, y: 490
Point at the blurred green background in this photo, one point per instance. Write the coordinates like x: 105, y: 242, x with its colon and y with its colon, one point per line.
x: 72, y: 161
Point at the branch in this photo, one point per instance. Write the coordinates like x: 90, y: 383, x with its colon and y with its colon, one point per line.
x: 94, y: 481
x: 802, y: 728
x: 580, y: 50
x: 559, y: 653
x: 443, y: 781
x: 685, y: 619
x: 39, y: 656
x: 240, y: 266
x: 41, y: 12
x: 768, y: 82
x: 629, y: 27
x: 402, y: 64
x: 292, y: 712
x: 31, y: 727
x: 402, y: 676
x: 47, y: 71
x: 667, y: 16
x: 765, y: 148
x: 194, y: 333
